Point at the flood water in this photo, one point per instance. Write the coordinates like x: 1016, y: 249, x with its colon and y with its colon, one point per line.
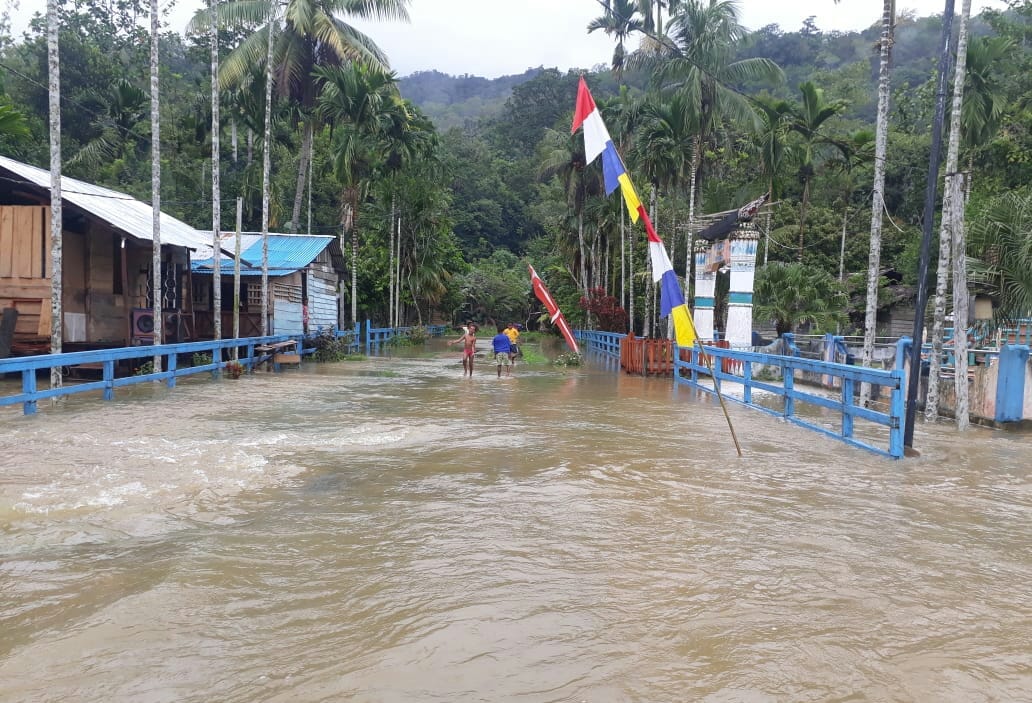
x: 387, y: 530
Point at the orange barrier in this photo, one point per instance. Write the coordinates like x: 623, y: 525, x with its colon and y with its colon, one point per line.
x: 647, y: 357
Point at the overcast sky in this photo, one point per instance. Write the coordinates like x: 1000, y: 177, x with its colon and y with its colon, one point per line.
x: 491, y: 38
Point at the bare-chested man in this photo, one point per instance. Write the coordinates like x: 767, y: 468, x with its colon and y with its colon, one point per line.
x: 469, y: 348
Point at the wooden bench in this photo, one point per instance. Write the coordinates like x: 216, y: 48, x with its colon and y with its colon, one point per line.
x: 280, y: 353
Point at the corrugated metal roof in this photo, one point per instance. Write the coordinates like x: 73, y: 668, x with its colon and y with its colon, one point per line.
x: 287, y: 253
x: 123, y: 212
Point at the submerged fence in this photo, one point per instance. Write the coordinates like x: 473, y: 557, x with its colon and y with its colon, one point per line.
x: 107, y: 362
x: 767, y: 382
x: 378, y: 336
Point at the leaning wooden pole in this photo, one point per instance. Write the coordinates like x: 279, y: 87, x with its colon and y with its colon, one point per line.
x: 54, y: 64
x: 156, y: 179
x: 720, y: 396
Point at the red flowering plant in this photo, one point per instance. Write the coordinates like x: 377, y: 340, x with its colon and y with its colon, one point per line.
x: 608, y: 314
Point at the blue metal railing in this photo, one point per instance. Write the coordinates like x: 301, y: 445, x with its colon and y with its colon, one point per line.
x: 30, y: 366
x: 849, y: 377
x: 376, y: 336
x: 607, y: 343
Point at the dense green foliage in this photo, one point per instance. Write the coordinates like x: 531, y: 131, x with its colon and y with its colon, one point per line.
x: 483, y: 172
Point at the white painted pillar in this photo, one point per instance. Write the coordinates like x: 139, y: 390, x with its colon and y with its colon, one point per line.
x: 705, y: 290
x: 740, y: 294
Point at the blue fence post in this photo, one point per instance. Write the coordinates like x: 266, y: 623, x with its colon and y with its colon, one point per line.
x: 29, y: 388
x: 747, y: 381
x: 250, y: 356
x: 109, y: 380
x: 847, y: 403
x: 788, y: 381
x: 170, y: 366
x: 897, y: 399
x: 1010, y: 383
x: 356, y: 340
x: 368, y: 336
x: 216, y: 358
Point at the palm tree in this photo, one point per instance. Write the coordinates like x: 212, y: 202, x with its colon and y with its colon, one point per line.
x: 984, y: 98
x: 119, y: 114
x: 313, y: 35
x: 359, y: 102
x: 791, y: 294
x: 878, y: 193
x: 855, y: 151
x: 696, y: 56
x: 54, y: 90
x: 620, y: 21
x: 1001, y: 242
x: 562, y: 156
x: 808, y: 120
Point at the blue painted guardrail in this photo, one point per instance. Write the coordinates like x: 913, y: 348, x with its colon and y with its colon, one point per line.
x: 607, y: 343
x: 845, y: 377
x: 848, y: 378
x: 377, y: 336
x: 30, y: 366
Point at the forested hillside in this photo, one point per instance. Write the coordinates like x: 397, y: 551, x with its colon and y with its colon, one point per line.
x: 482, y: 172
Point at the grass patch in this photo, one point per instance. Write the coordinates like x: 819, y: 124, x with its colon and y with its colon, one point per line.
x: 532, y: 356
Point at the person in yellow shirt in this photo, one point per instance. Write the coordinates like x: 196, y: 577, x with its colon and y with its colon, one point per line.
x: 514, y: 337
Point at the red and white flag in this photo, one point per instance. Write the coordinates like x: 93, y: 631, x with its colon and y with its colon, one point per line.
x: 553, y: 310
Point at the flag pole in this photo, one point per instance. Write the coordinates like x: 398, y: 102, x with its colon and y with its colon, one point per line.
x: 720, y: 396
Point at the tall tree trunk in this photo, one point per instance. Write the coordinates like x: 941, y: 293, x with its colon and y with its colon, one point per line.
x: 958, y: 201
x: 216, y: 186
x: 842, y: 244
x: 692, y: 183
x: 250, y: 146
x: 950, y: 206
x: 623, y: 257
x: 266, y: 177
x: 878, y: 194
x: 54, y: 77
x: 302, y: 172
x: 803, y: 206
x: 583, y: 257
x: 156, y: 178
x: 233, y: 137
x: 397, y: 280
x: 630, y: 280
x: 390, y: 266
x: 236, y: 276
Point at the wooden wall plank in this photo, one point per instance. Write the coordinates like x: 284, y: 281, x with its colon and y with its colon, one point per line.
x: 6, y: 241
x: 37, y: 242
x: 23, y: 236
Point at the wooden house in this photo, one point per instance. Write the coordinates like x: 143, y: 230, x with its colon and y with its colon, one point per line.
x: 106, y: 264
x: 305, y: 272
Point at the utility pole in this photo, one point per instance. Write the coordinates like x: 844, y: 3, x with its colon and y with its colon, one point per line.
x: 931, y: 187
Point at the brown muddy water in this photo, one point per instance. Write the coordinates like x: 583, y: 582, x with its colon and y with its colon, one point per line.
x: 386, y: 530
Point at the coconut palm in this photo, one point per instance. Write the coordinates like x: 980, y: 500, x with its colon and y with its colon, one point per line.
x: 791, y: 294
x: 12, y: 123
x: 809, y: 120
x: 619, y: 21
x: 313, y: 35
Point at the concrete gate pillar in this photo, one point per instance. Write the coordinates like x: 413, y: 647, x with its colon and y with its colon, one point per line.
x: 740, y: 294
x: 705, y: 290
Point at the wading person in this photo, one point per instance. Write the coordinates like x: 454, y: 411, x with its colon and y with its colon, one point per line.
x: 501, y: 346
x: 514, y: 337
x: 469, y: 348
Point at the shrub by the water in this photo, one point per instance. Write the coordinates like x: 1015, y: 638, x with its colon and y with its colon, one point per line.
x: 329, y: 347
x: 568, y: 359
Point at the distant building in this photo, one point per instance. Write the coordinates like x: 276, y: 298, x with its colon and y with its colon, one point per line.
x: 305, y: 271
